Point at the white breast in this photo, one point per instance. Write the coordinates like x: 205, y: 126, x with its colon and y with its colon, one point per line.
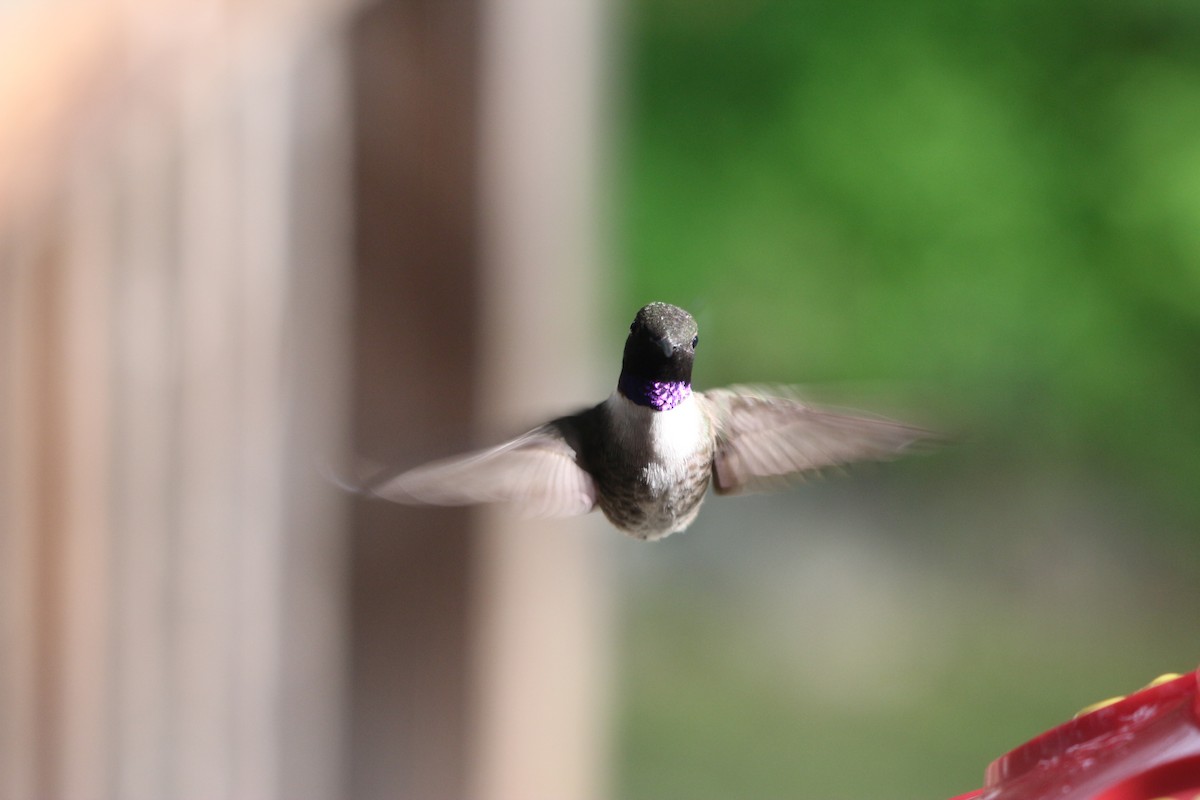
x: 666, y: 439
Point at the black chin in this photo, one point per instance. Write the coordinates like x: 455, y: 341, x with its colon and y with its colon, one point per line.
x: 644, y: 359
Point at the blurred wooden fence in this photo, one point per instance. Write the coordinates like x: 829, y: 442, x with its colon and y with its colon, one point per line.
x: 187, y: 609
x: 171, y: 213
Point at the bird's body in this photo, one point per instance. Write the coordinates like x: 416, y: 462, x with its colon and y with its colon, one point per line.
x: 646, y: 456
x: 651, y: 467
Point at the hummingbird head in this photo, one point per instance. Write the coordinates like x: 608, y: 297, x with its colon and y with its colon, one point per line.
x: 656, y: 370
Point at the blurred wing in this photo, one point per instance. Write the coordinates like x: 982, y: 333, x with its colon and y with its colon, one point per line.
x: 763, y: 439
x: 537, y: 472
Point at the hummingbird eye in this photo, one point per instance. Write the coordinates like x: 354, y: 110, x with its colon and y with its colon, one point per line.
x: 695, y: 341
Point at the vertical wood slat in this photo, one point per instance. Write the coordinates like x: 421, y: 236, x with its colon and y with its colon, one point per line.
x: 541, y: 668
x: 416, y: 327
x: 263, y: 110
x: 313, y: 632
x: 86, y: 375
x: 19, y: 730
x: 501, y: 698
x: 208, y: 429
x: 145, y: 511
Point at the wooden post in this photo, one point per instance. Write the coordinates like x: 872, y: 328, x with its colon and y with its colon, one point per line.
x: 540, y: 601
x: 479, y: 666
x: 171, y: 372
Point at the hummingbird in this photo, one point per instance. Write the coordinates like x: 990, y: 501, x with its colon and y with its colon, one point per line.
x: 647, y: 455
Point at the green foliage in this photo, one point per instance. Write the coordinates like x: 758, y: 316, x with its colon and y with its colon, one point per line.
x: 999, y: 202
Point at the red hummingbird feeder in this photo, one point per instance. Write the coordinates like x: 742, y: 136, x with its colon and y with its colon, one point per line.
x: 1142, y: 747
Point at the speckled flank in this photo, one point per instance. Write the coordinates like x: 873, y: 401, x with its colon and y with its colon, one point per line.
x: 641, y: 507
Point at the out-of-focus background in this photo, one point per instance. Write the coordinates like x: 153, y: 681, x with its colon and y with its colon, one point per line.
x: 244, y: 244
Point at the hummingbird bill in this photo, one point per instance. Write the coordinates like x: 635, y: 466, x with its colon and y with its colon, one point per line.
x: 646, y: 456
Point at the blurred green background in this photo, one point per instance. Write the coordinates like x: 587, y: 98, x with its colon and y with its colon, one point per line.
x: 992, y: 210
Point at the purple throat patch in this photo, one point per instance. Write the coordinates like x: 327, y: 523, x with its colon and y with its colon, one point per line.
x: 659, y: 395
